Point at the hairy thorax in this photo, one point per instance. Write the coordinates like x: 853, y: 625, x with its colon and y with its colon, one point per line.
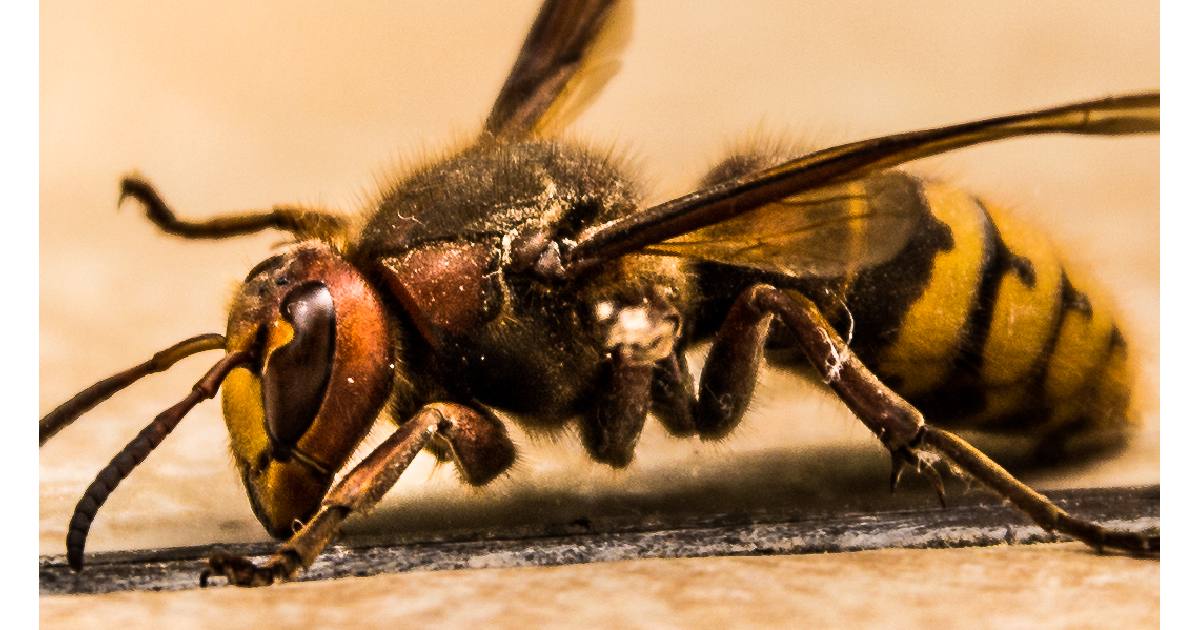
x: 440, y: 244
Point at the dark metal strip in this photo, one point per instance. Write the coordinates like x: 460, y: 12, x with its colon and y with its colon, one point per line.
x: 978, y: 520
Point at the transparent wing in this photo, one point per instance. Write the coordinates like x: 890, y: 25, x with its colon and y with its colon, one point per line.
x: 571, y: 52
x: 819, y: 233
x: 746, y: 220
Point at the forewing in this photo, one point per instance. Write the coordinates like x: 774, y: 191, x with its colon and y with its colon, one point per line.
x: 821, y: 233
x: 758, y: 200
x: 571, y: 52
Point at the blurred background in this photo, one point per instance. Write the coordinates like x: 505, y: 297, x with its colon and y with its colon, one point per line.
x: 227, y: 105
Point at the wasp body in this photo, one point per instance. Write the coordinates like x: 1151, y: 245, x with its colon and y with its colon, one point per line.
x: 526, y: 274
x: 976, y: 320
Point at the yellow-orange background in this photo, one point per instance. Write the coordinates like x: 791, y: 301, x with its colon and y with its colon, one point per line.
x: 230, y: 105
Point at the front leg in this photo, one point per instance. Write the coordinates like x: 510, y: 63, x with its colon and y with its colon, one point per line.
x: 482, y: 451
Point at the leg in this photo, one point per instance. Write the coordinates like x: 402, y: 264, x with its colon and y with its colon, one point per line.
x: 731, y: 369
x: 726, y: 386
x: 301, y: 222
x: 898, y: 424
x: 1049, y: 516
x: 674, y: 397
x: 638, y: 339
x: 482, y: 451
x: 612, y: 432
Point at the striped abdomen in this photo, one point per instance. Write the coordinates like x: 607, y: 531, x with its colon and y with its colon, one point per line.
x: 978, y: 323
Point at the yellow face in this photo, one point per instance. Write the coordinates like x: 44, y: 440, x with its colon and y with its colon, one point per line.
x: 280, y: 492
x: 324, y: 372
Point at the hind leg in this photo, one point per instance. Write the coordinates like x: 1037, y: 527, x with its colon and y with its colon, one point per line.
x: 730, y: 372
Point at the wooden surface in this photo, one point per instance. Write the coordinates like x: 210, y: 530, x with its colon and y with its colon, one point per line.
x: 1044, y: 586
x: 227, y: 105
x: 977, y: 520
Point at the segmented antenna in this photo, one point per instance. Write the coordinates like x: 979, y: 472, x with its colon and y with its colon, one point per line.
x: 82, y: 402
x: 137, y: 450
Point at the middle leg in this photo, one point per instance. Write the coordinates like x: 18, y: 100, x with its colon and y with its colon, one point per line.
x: 638, y: 339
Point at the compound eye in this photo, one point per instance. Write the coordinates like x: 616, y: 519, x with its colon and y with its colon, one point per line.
x: 299, y: 359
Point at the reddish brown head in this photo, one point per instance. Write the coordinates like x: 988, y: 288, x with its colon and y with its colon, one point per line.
x: 323, y: 370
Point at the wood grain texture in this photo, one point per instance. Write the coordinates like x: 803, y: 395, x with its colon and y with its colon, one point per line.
x: 1047, y: 586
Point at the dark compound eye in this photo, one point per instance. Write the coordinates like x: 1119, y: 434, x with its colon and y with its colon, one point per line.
x: 297, y: 373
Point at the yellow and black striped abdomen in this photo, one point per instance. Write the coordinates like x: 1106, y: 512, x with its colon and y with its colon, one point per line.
x: 978, y: 323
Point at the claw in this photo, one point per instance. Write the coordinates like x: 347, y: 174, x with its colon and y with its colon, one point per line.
x: 935, y: 479
x: 897, y: 468
x: 904, y: 457
x: 239, y: 571
x: 901, y: 457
